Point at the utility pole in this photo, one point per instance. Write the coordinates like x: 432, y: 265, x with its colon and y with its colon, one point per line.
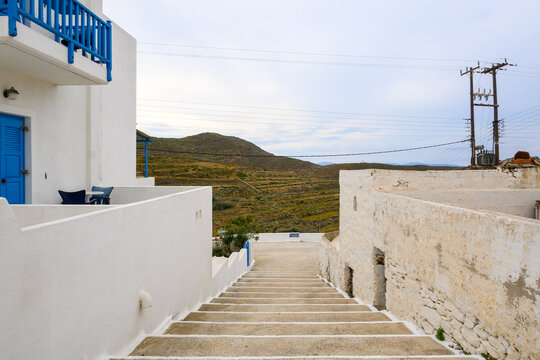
x: 493, y: 71
x: 471, y: 71
x: 486, y: 95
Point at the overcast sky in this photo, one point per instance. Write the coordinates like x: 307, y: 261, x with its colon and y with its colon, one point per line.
x: 398, y: 87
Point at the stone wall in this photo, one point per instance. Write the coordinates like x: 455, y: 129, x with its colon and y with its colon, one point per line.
x: 475, y: 274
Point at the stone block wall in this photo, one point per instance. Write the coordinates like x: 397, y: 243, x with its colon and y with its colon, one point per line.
x: 436, y: 310
x: 475, y: 274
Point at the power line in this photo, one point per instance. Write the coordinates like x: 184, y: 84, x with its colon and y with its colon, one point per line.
x: 304, y: 52
x: 275, y: 116
x: 411, y: 133
x: 304, y: 62
x: 295, y: 123
x: 528, y: 110
x: 297, y: 110
x: 309, y: 156
x: 326, y: 54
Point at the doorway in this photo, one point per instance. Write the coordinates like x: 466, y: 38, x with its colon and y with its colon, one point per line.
x: 12, y: 165
x: 379, y: 279
x: 348, y: 280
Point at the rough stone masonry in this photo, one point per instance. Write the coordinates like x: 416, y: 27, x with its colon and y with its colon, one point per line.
x: 461, y: 252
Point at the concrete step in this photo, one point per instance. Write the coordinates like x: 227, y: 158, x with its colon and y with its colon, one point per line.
x: 291, y: 294
x: 283, y: 276
x: 286, y: 281
x: 280, y: 278
x: 283, y: 308
x: 198, y: 328
x: 260, y: 271
x: 326, y: 290
x: 439, y: 357
x: 185, y: 345
x: 281, y: 300
x: 319, y: 284
x: 229, y: 316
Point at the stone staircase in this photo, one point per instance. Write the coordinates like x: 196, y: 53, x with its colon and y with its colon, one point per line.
x: 288, y: 315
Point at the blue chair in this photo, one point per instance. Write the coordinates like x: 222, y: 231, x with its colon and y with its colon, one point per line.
x: 104, y: 199
x: 75, y: 198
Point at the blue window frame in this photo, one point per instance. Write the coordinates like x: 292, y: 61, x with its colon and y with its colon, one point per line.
x: 12, y: 162
x: 143, y: 138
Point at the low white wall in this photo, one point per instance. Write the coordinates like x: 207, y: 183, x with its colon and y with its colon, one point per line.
x: 280, y: 237
x: 28, y: 215
x: 225, y: 271
x: 70, y: 287
x: 514, y: 202
x: 126, y: 194
x: 142, y: 181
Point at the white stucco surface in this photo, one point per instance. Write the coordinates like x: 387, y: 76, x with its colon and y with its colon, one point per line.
x: 34, y: 52
x: 281, y: 237
x: 129, y: 194
x: 225, y: 271
x: 514, y: 202
x: 78, y: 135
x: 29, y: 215
x: 71, y: 286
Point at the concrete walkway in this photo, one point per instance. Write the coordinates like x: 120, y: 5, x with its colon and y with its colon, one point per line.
x: 282, y: 310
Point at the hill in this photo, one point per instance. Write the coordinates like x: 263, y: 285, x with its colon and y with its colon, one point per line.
x: 195, y: 147
x: 281, y: 194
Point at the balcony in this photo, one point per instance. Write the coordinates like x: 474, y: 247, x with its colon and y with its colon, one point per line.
x: 58, y: 41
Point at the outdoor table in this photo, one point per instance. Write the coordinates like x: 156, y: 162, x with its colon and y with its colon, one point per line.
x: 89, y: 194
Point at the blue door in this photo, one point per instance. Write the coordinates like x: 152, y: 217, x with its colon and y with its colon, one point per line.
x: 12, y: 158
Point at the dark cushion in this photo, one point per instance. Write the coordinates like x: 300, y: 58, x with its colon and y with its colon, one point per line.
x: 73, y: 198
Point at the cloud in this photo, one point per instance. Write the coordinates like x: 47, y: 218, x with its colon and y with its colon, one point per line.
x: 415, y: 30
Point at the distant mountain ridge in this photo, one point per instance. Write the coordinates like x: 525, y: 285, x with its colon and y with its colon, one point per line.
x: 228, y: 147
x: 205, y: 146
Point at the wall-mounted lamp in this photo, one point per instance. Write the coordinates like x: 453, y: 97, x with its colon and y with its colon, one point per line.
x: 11, y: 94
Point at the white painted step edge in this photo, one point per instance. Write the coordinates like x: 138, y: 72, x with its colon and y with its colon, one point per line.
x: 288, y: 322
x: 366, y: 357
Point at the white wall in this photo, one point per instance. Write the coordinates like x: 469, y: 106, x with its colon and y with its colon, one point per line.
x: 514, y: 202
x: 225, y: 271
x: 79, y: 135
x: 70, y: 287
x: 279, y: 237
x: 30, y: 215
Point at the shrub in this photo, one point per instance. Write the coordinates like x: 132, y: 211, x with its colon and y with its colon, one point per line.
x: 241, y: 174
x: 218, y: 251
x: 222, y: 205
x: 440, y: 334
x: 236, y: 233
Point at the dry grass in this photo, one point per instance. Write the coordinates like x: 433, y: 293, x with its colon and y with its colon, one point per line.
x: 289, y: 200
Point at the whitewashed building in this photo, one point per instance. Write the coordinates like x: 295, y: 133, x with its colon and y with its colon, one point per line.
x: 85, y: 281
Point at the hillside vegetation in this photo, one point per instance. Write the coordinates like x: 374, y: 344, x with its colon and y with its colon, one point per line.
x: 195, y: 146
x: 281, y: 194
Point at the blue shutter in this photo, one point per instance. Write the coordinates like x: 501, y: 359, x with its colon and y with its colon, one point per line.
x: 12, y: 159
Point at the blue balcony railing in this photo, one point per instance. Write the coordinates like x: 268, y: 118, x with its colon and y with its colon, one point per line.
x: 71, y: 23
